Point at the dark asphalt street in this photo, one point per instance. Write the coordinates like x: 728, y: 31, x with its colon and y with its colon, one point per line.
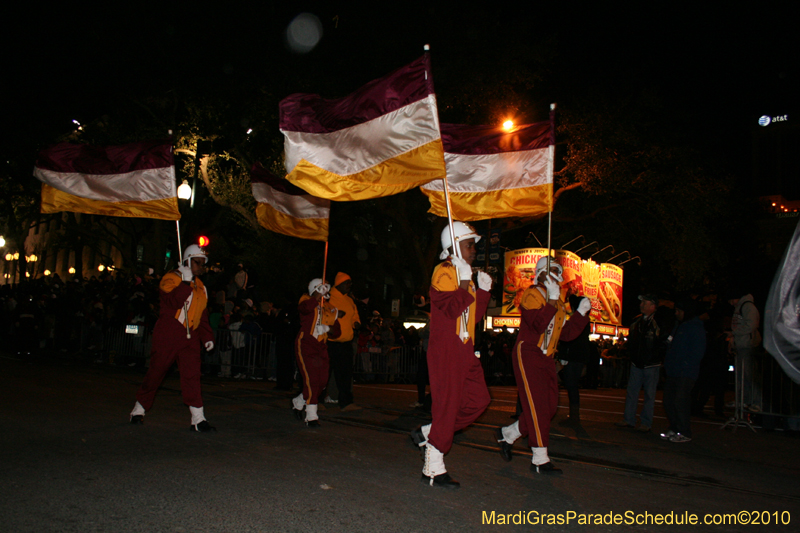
x: 72, y: 462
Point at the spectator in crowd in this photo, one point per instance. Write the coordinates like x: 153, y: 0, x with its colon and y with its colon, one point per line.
x: 712, y: 378
x: 573, y: 355
x: 340, y: 349
x: 682, y: 365
x: 645, y: 348
x: 744, y: 342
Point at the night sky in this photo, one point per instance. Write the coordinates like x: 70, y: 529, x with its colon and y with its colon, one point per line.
x: 720, y: 69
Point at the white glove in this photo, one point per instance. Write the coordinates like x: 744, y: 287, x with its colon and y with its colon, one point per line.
x: 484, y: 281
x: 324, y: 289
x: 553, y: 290
x: 585, y: 306
x: 321, y: 330
x: 209, y: 346
x: 464, y: 270
x: 186, y: 273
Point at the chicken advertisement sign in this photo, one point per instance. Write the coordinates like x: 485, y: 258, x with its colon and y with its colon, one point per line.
x: 601, y: 283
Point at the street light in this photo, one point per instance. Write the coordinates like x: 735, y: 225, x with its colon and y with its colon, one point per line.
x: 185, y: 190
x: 71, y: 270
x: 2, y: 241
x: 100, y: 268
x: 9, y: 257
x: 508, y: 125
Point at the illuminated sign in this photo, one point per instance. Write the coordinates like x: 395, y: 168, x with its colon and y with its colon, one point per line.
x: 766, y: 120
x: 507, y: 321
x: 600, y: 282
x: 605, y: 329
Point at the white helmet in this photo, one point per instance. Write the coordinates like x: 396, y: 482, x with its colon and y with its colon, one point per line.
x: 317, y: 285
x: 194, y: 251
x: 462, y: 230
x: 541, y: 266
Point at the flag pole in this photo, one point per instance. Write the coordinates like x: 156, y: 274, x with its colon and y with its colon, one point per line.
x: 324, y: 273
x: 325, y: 263
x: 180, y: 250
x: 550, y: 171
x: 180, y: 263
x: 456, y: 249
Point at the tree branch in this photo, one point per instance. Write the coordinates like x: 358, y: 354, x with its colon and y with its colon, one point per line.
x: 247, y: 215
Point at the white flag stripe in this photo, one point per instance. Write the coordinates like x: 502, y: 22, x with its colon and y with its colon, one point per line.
x: 361, y: 147
x: 494, y: 172
x: 136, y: 186
x: 297, y: 206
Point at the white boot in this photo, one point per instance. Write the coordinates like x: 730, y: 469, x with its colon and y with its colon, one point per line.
x: 426, y: 430
x: 298, y: 402
x: 434, y: 472
x: 420, y: 435
x: 540, y: 456
x: 511, y: 434
x: 434, y: 462
x: 137, y: 415
x: 311, y: 413
x: 197, y: 415
x: 199, y: 422
x: 541, y: 464
x: 138, y: 410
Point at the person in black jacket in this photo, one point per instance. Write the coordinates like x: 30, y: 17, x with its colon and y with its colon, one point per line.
x: 682, y: 365
x: 646, y: 348
x: 574, y: 355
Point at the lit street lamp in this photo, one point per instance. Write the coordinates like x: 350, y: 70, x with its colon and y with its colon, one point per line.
x: 185, y: 190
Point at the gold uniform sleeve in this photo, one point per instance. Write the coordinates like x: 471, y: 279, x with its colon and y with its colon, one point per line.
x: 532, y: 299
x: 445, y: 277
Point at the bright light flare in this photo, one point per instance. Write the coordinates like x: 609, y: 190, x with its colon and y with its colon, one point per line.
x: 508, y: 125
x: 184, y: 191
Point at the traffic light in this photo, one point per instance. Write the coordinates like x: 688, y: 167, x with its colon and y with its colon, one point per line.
x: 203, y: 241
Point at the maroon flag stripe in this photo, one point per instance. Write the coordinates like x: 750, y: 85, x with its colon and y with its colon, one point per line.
x: 100, y: 160
x: 310, y: 113
x: 479, y: 140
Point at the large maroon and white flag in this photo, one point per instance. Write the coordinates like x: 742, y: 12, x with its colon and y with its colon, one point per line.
x: 493, y: 173
x: 285, y: 208
x: 130, y: 180
x: 381, y: 140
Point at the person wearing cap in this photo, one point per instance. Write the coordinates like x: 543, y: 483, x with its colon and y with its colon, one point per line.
x: 458, y: 388
x: 743, y: 343
x: 646, y: 347
x: 181, y: 333
x: 544, y: 321
x: 682, y: 365
x: 340, y: 349
x: 319, y: 320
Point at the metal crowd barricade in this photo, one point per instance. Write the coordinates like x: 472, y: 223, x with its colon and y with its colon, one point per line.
x: 393, y: 364
x: 244, y: 355
x: 772, y: 394
x: 129, y: 344
x: 249, y: 356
